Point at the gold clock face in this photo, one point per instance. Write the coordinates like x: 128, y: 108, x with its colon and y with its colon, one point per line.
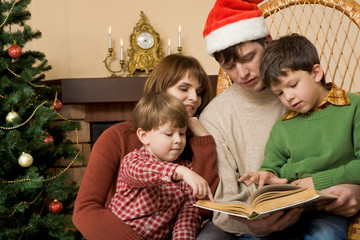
x: 145, y: 40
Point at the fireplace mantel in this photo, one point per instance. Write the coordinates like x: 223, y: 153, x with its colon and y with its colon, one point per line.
x: 106, y: 99
x: 105, y: 90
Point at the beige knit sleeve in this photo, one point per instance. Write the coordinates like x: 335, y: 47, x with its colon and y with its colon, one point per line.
x: 229, y: 189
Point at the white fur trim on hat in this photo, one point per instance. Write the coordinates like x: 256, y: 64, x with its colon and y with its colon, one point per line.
x: 234, y: 33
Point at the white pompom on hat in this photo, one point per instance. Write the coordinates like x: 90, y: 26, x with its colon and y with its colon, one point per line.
x: 231, y: 22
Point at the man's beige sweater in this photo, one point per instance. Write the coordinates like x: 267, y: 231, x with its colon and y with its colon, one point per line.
x: 240, y: 122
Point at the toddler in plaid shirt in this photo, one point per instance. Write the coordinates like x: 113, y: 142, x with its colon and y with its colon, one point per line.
x: 156, y: 190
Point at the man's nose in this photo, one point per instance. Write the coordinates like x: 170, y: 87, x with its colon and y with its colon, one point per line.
x: 243, y: 70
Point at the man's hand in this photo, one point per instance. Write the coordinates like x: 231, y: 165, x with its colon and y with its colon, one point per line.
x: 277, y: 221
x: 348, y: 203
x: 261, y: 178
x: 198, y: 184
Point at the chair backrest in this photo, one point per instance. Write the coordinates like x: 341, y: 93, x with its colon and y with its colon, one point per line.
x: 333, y: 27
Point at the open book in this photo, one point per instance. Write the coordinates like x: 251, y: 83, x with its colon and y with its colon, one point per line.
x: 271, y: 198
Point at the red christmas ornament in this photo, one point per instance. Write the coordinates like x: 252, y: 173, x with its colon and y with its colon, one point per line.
x: 55, y: 207
x: 15, y: 50
x: 57, y: 105
x: 49, y: 139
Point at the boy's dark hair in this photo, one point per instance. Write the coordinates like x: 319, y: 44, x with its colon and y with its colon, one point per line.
x: 292, y: 52
x: 231, y: 54
x: 156, y: 109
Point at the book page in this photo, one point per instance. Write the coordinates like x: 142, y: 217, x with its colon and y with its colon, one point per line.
x: 273, y: 195
x: 236, y: 208
x: 274, y: 187
x: 282, y: 197
x: 283, y: 200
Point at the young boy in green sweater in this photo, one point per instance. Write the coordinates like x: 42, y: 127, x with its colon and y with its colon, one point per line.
x: 316, y: 143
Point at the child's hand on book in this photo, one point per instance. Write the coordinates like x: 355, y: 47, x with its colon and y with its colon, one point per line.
x: 261, y: 178
x: 198, y: 184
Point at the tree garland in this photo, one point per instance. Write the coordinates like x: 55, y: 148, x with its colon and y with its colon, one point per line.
x: 5, y: 20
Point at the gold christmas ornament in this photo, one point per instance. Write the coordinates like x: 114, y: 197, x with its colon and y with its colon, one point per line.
x: 11, y: 116
x: 25, y: 160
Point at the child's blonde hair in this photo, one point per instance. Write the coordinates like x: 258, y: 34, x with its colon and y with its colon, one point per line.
x: 156, y: 109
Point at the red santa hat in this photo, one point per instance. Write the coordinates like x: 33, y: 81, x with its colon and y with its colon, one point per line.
x: 231, y: 22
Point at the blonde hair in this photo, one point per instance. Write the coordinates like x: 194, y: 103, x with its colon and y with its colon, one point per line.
x: 154, y: 110
x: 171, y: 69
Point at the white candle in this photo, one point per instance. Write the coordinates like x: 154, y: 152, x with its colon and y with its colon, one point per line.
x: 121, y: 50
x: 179, y: 35
x: 169, y: 47
x: 109, y: 36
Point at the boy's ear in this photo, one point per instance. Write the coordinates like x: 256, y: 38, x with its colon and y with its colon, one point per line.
x: 317, y: 73
x: 142, y: 135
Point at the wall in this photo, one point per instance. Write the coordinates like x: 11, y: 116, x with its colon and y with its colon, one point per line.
x: 75, y: 42
x: 75, y: 32
x: 75, y: 38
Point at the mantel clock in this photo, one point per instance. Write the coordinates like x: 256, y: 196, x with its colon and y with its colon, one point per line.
x: 144, y: 53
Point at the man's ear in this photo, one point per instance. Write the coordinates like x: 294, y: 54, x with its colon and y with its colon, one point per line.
x: 317, y: 73
x: 142, y: 135
x: 268, y: 39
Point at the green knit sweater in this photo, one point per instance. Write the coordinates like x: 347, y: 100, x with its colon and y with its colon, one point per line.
x: 324, y: 145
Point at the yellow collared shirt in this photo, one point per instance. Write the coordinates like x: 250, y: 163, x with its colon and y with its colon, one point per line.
x: 336, y: 96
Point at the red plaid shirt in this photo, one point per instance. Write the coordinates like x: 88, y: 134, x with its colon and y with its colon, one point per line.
x: 149, y: 201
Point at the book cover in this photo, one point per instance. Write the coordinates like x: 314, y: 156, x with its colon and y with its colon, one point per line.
x: 271, y: 198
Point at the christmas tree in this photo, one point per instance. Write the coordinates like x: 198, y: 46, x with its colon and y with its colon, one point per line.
x: 34, y: 201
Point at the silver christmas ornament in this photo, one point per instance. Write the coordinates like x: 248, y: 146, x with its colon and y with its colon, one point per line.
x: 11, y: 116
x: 25, y: 160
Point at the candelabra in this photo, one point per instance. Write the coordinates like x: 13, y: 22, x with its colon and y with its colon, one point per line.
x: 113, y: 73
x: 179, y: 49
x: 123, y: 67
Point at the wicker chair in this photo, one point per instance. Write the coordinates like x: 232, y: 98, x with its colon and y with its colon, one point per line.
x: 333, y: 26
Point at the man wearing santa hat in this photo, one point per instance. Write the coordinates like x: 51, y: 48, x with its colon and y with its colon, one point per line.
x: 240, y: 120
